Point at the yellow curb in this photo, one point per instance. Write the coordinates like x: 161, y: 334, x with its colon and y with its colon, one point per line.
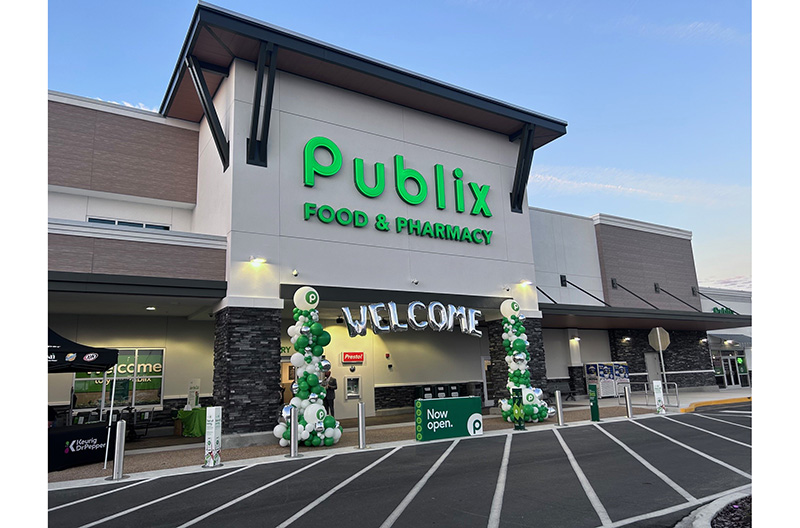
x: 694, y: 406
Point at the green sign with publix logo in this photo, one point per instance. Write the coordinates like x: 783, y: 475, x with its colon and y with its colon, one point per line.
x: 438, y: 418
x: 464, y: 197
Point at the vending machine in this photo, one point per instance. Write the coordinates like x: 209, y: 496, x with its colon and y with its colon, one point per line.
x: 603, y: 375
x: 621, y: 377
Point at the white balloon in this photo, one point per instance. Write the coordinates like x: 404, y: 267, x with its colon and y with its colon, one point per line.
x: 305, y: 435
x: 509, y: 307
x: 309, y: 427
x: 283, y: 442
x: 329, y: 432
x: 279, y: 430
x: 295, y: 402
x: 314, y: 413
x: 297, y: 360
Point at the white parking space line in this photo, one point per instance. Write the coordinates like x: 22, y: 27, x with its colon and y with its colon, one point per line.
x: 146, y: 504
x: 54, y: 508
x: 712, y: 433
x: 696, y: 451
x: 685, y: 494
x: 499, y: 491
x: 587, y: 488
x: 737, y: 412
x: 416, y: 489
x: 707, y: 417
x: 672, y: 509
x: 336, y: 488
x: 250, y: 494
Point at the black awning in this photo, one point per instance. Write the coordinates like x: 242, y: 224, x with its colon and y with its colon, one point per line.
x: 64, y: 355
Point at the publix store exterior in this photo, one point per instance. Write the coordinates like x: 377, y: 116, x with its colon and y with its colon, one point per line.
x: 277, y: 162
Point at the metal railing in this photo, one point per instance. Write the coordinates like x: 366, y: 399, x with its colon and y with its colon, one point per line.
x: 643, y: 389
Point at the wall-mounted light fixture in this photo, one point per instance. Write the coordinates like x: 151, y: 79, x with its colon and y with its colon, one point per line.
x: 576, y: 338
x: 151, y: 308
x: 258, y: 261
x: 525, y: 282
x: 729, y: 342
x: 626, y: 339
x: 295, y: 273
x: 704, y: 341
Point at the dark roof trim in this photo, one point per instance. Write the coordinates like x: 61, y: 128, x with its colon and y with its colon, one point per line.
x: 62, y: 281
x: 604, y: 317
x: 207, y: 14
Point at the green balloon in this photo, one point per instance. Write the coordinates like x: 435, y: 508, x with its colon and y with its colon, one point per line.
x: 307, y: 443
x: 312, y: 380
x: 302, y: 394
x: 518, y: 345
x: 329, y: 422
x: 317, y: 350
x: 302, y: 385
x: 316, y: 329
x: 323, y: 339
x: 302, y: 342
x: 528, y: 409
x: 329, y: 441
x: 315, y: 441
x: 287, y: 434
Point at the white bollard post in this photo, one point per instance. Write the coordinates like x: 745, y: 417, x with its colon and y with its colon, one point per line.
x: 119, y: 452
x: 293, y: 438
x: 362, y: 427
x: 628, y: 408
x: 559, y: 409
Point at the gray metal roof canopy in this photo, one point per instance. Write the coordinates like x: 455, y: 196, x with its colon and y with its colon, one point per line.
x: 217, y: 36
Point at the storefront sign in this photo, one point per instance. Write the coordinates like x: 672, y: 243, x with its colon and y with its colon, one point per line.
x: 352, y: 357
x: 213, y: 437
x: 438, y: 318
x: 658, y: 392
x: 439, y: 418
x: 476, y: 196
x: 193, y: 396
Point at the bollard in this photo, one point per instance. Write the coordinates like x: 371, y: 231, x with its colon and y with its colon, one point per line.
x: 119, y: 452
x: 362, y: 427
x: 628, y: 408
x: 293, y: 439
x: 559, y: 409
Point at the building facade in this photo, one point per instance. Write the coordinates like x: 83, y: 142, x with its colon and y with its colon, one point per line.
x: 278, y: 162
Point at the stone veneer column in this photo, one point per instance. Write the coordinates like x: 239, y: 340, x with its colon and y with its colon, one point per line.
x: 247, y: 363
x: 499, y: 371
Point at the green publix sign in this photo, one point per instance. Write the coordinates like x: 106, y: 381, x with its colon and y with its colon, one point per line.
x: 467, y: 196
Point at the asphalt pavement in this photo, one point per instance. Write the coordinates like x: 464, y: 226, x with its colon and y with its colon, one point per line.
x: 647, y: 471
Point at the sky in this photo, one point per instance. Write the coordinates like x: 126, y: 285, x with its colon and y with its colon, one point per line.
x: 657, y: 95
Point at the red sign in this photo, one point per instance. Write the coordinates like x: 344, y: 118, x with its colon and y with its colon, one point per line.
x: 352, y: 357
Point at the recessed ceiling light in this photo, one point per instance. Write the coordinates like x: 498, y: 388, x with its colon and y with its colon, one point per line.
x: 150, y: 308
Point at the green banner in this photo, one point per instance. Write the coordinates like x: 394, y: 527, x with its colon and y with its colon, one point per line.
x: 438, y: 418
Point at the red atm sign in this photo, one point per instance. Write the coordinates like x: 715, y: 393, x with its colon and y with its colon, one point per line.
x: 352, y: 357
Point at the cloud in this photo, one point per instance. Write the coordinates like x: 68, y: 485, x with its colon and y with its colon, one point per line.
x: 139, y: 106
x: 740, y: 283
x: 612, y: 181
x: 687, y: 31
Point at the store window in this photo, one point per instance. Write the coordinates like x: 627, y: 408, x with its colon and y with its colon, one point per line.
x: 125, y: 223
x: 140, y: 381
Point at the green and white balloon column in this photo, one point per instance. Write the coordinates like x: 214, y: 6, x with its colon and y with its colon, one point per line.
x: 515, y: 343
x: 314, y: 426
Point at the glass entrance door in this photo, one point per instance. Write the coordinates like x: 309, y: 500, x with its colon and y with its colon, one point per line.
x: 731, y: 372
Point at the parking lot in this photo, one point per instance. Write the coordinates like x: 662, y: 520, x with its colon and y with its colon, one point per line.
x: 647, y: 472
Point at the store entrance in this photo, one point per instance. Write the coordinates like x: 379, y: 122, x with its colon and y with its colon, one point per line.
x: 731, y: 373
